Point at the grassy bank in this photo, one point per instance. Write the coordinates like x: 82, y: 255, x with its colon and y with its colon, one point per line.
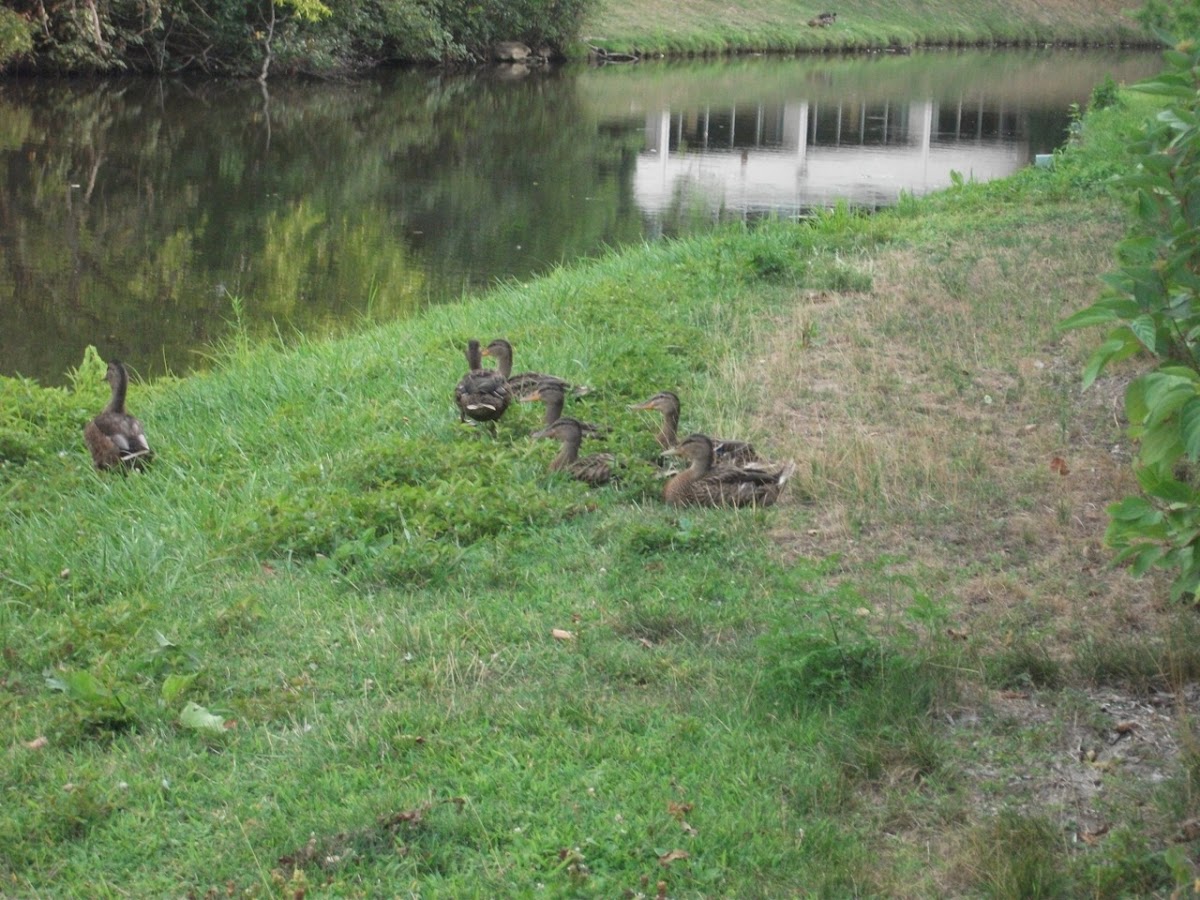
x: 336, y: 642
x: 706, y: 26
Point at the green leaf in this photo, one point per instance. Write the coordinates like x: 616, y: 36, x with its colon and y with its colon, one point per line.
x: 1165, y: 395
x: 1147, y: 557
x: 1136, y: 409
x: 174, y: 686
x: 198, y: 718
x: 82, y: 686
x: 1146, y: 331
x: 1164, y: 486
x: 1096, y: 314
x: 1160, y: 446
x: 1132, y: 509
x: 1189, y: 428
x: 87, y: 690
x: 1116, y: 347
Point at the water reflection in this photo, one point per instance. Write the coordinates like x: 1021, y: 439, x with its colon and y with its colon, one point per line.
x: 795, y: 156
x: 131, y: 211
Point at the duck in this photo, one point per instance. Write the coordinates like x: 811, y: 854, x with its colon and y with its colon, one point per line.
x: 595, y: 470
x: 115, y: 438
x: 482, y: 394
x: 667, y: 403
x: 552, y: 394
x: 709, y: 483
x: 523, y: 382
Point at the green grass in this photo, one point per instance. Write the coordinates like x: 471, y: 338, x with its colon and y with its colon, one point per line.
x: 365, y: 594
x: 701, y: 27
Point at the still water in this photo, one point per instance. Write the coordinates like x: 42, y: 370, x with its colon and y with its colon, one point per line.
x: 144, y: 217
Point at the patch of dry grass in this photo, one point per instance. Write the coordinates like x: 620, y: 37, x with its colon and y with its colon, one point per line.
x: 938, y: 419
x: 942, y: 434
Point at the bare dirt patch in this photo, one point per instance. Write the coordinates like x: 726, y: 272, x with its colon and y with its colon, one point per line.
x: 939, y: 425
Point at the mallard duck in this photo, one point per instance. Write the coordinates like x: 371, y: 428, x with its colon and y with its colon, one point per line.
x: 523, y: 382
x: 667, y: 403
x: 482, y: 394
x: 552, y: 394
x: 595, y: 470
x: 115, y: 437
x: 705, y: 483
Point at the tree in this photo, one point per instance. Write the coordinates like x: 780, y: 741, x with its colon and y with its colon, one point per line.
x: 1152, y: 305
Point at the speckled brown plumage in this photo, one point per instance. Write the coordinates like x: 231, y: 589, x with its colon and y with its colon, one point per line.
x: 482, y: 394
x: 523, y: 382
x: 552, y: 395
x: 667, y: 403
x: 115, y: 438
x: 595, y: 470
x: 705, y: 483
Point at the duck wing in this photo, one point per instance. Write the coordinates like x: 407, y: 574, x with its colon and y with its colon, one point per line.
x: 482, y: 395
x: 595, y: 470
x: 750, y: 485
x: 114, y: 438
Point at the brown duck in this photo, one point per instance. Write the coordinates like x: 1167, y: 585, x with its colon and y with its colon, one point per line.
x: 595, y: 470
x: 482, y: 394
x: 523, y: 382
x: 552, y: 394
x: 705, y: 483
x: 115, y: 437
x: 667, y: 403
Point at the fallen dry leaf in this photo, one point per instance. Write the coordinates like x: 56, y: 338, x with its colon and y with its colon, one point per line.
x: 646, y: 643
x: 1059, y: 465
x: 688, y: 829
x: 678, y: 810
x: 1093, y: 837
x: 667, y: 858
x: 1126, y: 727
x: 37, y: 743
x: 408, y: 816
x: 959, y: 634
x: 1190, y: 830
x: 561, y: 634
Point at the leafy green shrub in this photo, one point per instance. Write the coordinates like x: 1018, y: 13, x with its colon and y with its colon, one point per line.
x: 820, y: 657
x: 402, y: 511
x: 293, y: 36
x: 16, y: 35
x: 35, y: 420
x: 1104, y: 95
x: 1152, y: 304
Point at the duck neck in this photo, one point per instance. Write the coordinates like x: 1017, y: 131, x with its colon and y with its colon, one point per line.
x: 503, y: 360
x: 120, y: 384
x: 700, y: 466
x: 474, y: 356
x: 669, y: 433
x: 567, y: 453
x: 554, y: 408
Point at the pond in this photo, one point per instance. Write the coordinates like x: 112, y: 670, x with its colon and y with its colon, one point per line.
x: 145, y: 217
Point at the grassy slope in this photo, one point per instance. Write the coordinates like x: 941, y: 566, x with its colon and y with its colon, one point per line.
x: 879, y: 687
x: 709, y: 26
